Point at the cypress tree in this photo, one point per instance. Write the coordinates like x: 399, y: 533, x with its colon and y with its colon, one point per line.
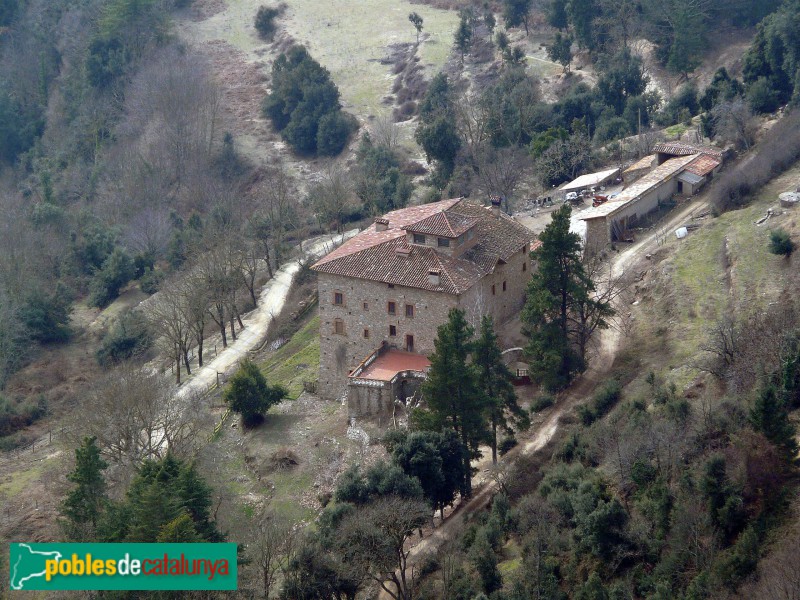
x: 768, y: 415
x: 86, y: 502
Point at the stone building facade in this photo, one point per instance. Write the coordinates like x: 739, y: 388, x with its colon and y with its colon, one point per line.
x: 396, y: 281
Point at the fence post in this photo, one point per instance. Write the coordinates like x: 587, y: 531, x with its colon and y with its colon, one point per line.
x: 50, y: 434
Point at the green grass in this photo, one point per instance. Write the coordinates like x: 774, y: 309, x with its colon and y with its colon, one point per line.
x: 675, y: 131
x: 295, y: 362
x: 20, y: 480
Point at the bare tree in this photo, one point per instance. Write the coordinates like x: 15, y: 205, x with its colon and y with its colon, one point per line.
x: 501, y: 171
x: 472, y: 121
x: 385, y: 132
x: 168, y: 316
x: 372, y: 543
x: 132, y: 413
x: 331, y: 196
x: 274, y: 543
x: 734, y: 122
x: 276, y: 209
x: 194, y: 304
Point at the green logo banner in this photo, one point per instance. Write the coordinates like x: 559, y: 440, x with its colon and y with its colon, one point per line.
x: 122, y: 566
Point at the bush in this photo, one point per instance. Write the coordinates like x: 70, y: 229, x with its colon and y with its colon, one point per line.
x: 780, y: 243
x: 150, y: 281
x: 265, y: 21
x: 117, y: 270
x: 15, y: 416
x: 333, y: 132
x: 249, y: 395
x: 506, y: 444
x: 604, y: 399
x: 46, y: 317
x: 128, y: 337
x: 542, y: 402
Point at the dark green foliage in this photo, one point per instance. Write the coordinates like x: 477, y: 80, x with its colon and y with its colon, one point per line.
x: 312, y: 574
x: 302, y: 96
x: 451, y: 390
x: 622, y: 77
x: 20, y: 125
x: 462, y: 39
x: 265, y: 21
x: 725, y: 504
x: 769, y: 416
x: 560, y: 50
x: 128, y: 337
x: 494, y: 383
x: 249, y: 395
x: 379, y: 183
x: 763, y: 97
x: 516, y: 13
x: 593, y: 589
x: 780, y: 243
x: 738, y: 561
x: 162, y: 494
x: 15, y: 416
x: 515, y: 111
x: 8, y: 10
x: 436, y: 132
x: 116, y: 272
x: 105, y: 62
x: 546, y: 139
x: 85, y: 503
x: 484, y: 559
x: 612, y: 129
x: 542, y: 402
x: 46, y: 316
x: 150, y: 281
x: 558, y: 289
x: 416, y: 21
x: 582, y: 14
x: 556, y: 14
x: 333, y: 132
x: 379, y: 480
x: 602, y: 402
x: 91, y: 247
x: 434, y: 458
x: 721, y: 89
x: 507, y: 444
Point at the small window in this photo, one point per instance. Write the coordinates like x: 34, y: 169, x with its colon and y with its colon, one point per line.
x: 444, y: 243
x: 366, y: 304
x: 391, y: 308
x: 338, y: 327
x: 391, y: 286
x: 492, y: 290
x: 338, y: 298
x: 410, y: 311
x: 524, y: 267
x: 504, y: 286
x: 419, y: 238
x: 366, y: 334
x: 392, y: 330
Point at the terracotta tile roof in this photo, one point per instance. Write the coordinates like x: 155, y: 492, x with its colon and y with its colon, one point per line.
x: 679, y: 149
x: 390, y: 363
x: 703, y: 165
x: 385, y: 256
x: 445, y: 224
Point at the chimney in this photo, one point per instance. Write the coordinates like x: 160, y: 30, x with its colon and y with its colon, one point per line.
x: 434, y: 277
x: 496, y: 202
x: 404, y: 251
x: 381, y: 224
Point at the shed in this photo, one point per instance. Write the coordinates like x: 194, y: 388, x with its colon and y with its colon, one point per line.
x: 590, y: 180
x: 689, y: 183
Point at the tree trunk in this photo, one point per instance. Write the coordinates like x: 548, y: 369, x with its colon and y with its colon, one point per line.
x: 186, y: 361
x: 221, y: 322
x: 177, y: 365
x: 233, y: 328
x: 238, y: 318
x: 199, y: 338
x: 267, y: 260
x: 494, y: 440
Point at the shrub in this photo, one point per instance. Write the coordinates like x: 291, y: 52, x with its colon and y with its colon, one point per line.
x: 265, y: 21
x: 150, y: 281
x: 542, y: 402
x: 506, y: 444
x: 780, y: 243
x: 15, y: 416
x: 117, y: 270
x: 604, y: 399
x: 333, y: 131
x: 127, y: 338
x: 249, y: 395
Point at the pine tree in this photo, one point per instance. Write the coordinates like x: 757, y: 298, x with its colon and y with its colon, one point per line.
x: 559, y: 292
x: 451, y: 390
x: 181, y: 530
x: 494, y: 382
x: 769, y: 416
x: 249, y: 395
x: 86, y: 502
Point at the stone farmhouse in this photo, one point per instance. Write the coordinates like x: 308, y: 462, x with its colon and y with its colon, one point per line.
x: 384, y: 293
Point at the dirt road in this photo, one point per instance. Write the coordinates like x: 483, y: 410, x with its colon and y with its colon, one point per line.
x: 257, y: 323
x: 538, y: 437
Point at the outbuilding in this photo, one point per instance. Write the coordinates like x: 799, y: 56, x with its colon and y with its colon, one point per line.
x: 590, y: 180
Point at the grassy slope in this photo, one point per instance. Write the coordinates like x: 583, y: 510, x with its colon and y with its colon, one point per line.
x: 297, y: 361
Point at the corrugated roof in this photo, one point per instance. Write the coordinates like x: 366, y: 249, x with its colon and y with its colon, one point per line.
x: 690, y: 178
x: 655, y: 177
x: 589, y: 180
x: 387, y: 257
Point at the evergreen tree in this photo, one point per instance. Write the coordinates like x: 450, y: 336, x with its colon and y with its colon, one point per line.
x: 517, y: 12
x: 416, y: 21
x: 560, y: 50
x: 249, y: 395
x: 494, y: 382
x: 180, y: 530
x: 556, y: 14
x: 769, y: 416
x: 463, y: 35
x: 437, y: 132
x: 558, y: 291
x: 85, y: 503
x: 451, y: 390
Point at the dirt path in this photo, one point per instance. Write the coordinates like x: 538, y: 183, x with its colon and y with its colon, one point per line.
x: 538, y: 437
x: 257, y: 323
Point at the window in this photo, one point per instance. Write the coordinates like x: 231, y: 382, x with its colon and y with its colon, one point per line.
x: 409, y: 311
x: 391, y: 308
x: 338, y: 327
x: 392, y: 330
x: 366, y: 334
x: 366, y: 304
x: 391, y: 286
x: 504, y: 286
x: 492, y: 290
x: 410, y: 343
x: 338, y: 298
x: 419, y: 238
x: 524, y: 267
x: 443, y: 243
